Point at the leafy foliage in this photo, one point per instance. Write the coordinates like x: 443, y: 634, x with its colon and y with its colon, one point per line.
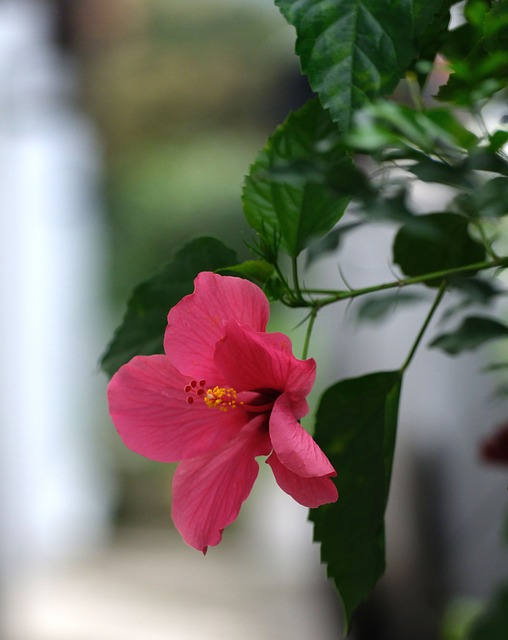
x: 474, y: 332
x: 384, y: 125
x: 258, y: 271
x: 477, y: 52
x: 356, y: 426
x: 330, y: 242
x: 286, y: 194
x: 375, y: 308
x: 142, y: 329
x: 356, y: 50
x: 435, y: 242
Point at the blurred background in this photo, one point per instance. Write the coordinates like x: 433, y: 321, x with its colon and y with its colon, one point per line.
x: 126, y: 128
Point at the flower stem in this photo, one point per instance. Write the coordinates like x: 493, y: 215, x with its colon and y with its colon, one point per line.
x: 308, y: 333
x: 437, y: 300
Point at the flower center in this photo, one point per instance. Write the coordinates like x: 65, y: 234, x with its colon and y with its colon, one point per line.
x: 222, y: 398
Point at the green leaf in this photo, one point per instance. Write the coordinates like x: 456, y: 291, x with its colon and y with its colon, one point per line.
x: 495, y: 27
x: 331, y: 242
x: 431, y: 25
x: 387, y: 124
x: 487, y: 159
x: 426, y: 13
x: 142, y: 329
x: 390, y: 203
x: 474, y: 332
x: 258, y: 271
x: 288, y: 193
x: 430, y: 170
x: 493, y: 624
x: 377, y: 307
x: 497, y: 140
x: 356, y: 427
x: 475, y: 290
x: 355, y: 50
x: 472, y: 290
x: 491, y: 199
x: 487, y: 200
x: 477, y: 53
x: 435, y: 242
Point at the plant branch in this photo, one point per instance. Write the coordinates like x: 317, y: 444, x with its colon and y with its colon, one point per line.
x: 485, y: 241
x: 296, y: 282
x: 334, y: 295
x: 437, y: 300
x: 308, y: 333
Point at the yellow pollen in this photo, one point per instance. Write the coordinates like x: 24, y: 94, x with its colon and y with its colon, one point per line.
x: 221, y: 398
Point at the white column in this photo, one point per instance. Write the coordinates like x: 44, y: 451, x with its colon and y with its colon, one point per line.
x: 54, y: 492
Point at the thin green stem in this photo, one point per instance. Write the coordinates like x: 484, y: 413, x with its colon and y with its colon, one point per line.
x: 296, y: 281
x: 414, y: 90
x: 485, y: 240
x: 437, y: 300
x: 308, y: 333
x: 334, y: 295
x: 478, y: 116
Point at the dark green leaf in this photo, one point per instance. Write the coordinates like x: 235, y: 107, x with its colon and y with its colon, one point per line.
x: 290, y: 192
x: 274, y: 289
x: 392, y: 207
x: 475, y: 290
x: 356, y: 427
x: 354, y: 50
x: 491, y: 198
x: 258, y: 271
x: 435, y: 242
x: 497, y: 140
x: 472, y: 333
x: 487, y: 160
x: 330, y: 242
x: 487, y: 200
x: 430, y: 170
x: 495, y: 27
x: 493, y: 624
x: 431, y: 26
x: 142, y: 329
x: 427, y: 13
x: 472, y: 291
x: 477, y: 52
x: 377, y: 307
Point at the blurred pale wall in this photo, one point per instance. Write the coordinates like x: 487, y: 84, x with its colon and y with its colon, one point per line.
x: 55, y: 488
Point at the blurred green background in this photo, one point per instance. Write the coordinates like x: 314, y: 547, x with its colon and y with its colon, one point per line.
x: 184, y: 92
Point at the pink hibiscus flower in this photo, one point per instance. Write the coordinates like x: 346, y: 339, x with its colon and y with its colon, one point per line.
x: 224, y: 393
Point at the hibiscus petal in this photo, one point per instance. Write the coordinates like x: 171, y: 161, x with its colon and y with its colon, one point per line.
x: 208, y: 491
x: 149, y: 408
x: 250, y: 360
x: 295, y: 447
x: 311, y: 492
x: 198, y: 321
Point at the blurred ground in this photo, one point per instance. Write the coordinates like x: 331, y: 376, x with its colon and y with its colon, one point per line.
x: 263, y: 581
